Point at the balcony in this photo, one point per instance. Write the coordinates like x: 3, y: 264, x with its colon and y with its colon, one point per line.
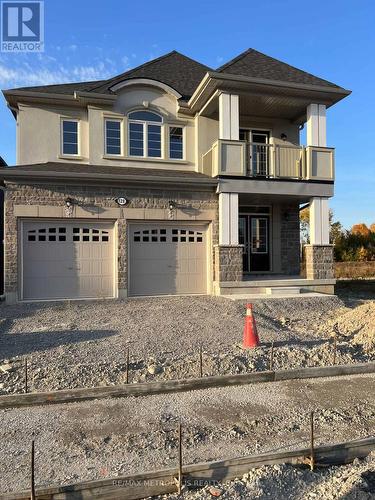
x: 269, y: 161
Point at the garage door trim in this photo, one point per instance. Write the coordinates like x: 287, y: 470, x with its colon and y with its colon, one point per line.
x: 64, y: 220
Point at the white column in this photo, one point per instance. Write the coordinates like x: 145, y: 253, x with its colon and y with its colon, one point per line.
x: 234, y: 118
x: 316, y: 129
x: 319, y: 221
x: 234, y: 219
x: 228, y: 219
x: 229, y: 119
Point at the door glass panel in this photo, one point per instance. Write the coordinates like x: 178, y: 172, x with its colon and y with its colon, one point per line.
x: 259, y: 235
x: 259, y: 153
x: 243, y: 240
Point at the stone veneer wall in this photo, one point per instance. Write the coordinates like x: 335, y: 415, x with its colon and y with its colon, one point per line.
x: 91, y: 202
x: 319, y: 262
x: 290, y: 239
x: 228, y: 263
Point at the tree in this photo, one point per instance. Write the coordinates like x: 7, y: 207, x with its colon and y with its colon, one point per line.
x: 372, y: 227
x: 336, y: 232
x: 304, y: 217
x: 360, y: 230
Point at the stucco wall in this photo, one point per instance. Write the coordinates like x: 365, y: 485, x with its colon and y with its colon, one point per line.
x: 39, y: 131
x: 99, y: 202
x: 39, y: 134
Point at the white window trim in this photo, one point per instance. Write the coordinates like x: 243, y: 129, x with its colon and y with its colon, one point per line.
x: 175, y: 125
x: 66, y: 155
x: 121, y: 121
x: 145, y: 124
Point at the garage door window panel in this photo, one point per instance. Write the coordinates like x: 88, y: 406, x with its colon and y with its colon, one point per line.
x: 150, y: 236
x: 90, y: 235
x: 51, y: 234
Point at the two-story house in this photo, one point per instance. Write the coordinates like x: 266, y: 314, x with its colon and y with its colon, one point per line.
x: 171, y: 178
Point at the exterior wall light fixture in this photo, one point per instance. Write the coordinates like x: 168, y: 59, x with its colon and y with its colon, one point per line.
x: 283, y: 136
x: 171, y: 209
x: 69, y: 205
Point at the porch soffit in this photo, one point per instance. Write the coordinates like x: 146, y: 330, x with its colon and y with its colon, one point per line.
x: 262, y: 97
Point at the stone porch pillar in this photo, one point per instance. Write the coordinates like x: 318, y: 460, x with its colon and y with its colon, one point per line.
x: 319, y: 254
x: 228, y: 254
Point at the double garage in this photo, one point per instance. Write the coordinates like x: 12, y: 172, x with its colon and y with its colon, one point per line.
x: 77, y: 259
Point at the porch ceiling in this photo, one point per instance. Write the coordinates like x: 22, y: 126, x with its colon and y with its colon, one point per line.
x: 261, y: 199
x: 263, y: 98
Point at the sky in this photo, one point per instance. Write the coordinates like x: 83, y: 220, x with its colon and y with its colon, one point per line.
x: 90, y: 40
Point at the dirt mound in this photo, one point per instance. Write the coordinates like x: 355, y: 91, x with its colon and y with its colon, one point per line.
x: 357, y: 323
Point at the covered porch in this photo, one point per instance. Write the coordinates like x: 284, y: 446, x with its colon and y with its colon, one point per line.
x: 259, y: 249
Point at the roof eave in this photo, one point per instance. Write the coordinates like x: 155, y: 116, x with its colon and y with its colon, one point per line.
x: 13, y: 97
x: 214, y: 80
x: 17, y: 173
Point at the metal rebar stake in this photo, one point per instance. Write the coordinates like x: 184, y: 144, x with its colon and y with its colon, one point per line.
x: 271, y: 357
x: 200, y: 361
x: 127, y: 366
x: 26, y: 377
x: 312, y: 458
x: 32, y: 482
x: 334, y: 348
x: 179, y: 458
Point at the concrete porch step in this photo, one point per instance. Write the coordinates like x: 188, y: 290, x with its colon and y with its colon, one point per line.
x: 275, y: 287
x: 283, y: 290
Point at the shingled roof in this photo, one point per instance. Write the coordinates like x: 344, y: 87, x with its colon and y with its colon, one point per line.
x: 257, y: 65
x: 103, y: 173
x: 184, y: 74
x: 176, y: 70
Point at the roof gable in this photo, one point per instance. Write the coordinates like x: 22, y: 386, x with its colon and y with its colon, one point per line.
x: 258, y: 65
x: 176, y: 70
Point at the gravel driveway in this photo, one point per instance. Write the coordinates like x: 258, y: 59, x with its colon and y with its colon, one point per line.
x: 84, y: 344
x: 105, y: 438
x: 151, y: 325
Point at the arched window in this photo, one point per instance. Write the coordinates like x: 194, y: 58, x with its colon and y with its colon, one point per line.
x: 145, y: 134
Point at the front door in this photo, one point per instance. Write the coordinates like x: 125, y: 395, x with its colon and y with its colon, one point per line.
x: 254, y: 236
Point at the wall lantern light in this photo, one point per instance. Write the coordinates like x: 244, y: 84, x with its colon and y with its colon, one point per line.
x: 69, y: 202
x: 283, y: 136
x: 171, y: 205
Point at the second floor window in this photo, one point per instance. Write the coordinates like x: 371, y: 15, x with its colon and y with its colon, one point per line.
x: 145, y: 134
x: 176, y: 146
x: 69, y: 137
x: 112, y: 137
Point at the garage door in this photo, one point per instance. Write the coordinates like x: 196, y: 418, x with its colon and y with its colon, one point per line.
x: 63, y: 260
x: 167, y: 259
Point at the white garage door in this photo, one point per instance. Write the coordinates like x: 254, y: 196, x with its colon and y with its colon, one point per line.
x: 167, y: 259
x: 67, y: 260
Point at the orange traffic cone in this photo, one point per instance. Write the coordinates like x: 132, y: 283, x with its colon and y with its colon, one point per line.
x: 250, y: 334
